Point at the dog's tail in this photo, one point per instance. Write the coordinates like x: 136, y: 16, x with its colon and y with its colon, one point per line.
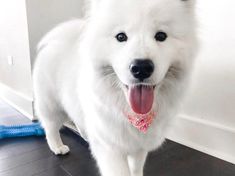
x: 65, y: 32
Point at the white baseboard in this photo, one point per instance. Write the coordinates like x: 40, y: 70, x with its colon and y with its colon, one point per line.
x: 208, y: 137
x: 19, y: 101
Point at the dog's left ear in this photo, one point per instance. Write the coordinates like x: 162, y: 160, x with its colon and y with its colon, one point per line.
x: 189, y: 3
x: 94, y: 4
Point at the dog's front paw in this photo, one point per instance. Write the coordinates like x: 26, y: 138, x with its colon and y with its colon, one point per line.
x: 62, y: 150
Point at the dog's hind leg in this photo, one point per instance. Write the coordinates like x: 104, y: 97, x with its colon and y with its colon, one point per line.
x: 52, y: 119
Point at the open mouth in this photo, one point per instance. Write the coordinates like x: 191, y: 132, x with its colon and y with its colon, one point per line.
x: 141, y: 98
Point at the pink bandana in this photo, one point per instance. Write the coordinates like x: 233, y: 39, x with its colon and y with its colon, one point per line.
x: 141, y: 121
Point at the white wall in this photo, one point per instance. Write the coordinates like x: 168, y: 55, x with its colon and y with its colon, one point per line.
x: 14, y: 42
x: 43, y: 15
x: 209, y: 109
x: 15, y: 80
x: 213, y: 92
x: 22, y: 24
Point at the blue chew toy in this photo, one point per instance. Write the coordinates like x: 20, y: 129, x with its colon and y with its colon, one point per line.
x: 34, y: 129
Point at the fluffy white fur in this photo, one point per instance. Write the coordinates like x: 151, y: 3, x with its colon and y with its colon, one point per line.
x: 81, y: 72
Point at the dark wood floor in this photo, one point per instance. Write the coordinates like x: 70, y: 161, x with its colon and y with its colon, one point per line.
x: 31, y: 156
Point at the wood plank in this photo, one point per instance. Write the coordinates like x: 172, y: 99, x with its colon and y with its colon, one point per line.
x: 56, y: 171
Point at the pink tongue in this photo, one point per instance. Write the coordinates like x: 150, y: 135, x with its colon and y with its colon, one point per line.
x: 141, y: 99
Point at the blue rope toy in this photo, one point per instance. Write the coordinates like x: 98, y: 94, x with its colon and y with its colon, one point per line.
x: 34, y: 129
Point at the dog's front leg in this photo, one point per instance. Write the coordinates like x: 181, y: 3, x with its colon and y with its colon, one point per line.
x: 136, y: 163
x: 111, y: 162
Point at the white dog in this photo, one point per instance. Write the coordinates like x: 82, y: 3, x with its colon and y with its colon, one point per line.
x: 118, y: 75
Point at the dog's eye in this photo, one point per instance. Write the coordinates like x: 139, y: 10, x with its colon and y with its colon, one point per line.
x: 121, y: 37
x: 161, y: 36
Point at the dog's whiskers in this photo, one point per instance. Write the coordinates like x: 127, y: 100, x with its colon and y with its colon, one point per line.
x: 108, y: 74
x: 107, y: 70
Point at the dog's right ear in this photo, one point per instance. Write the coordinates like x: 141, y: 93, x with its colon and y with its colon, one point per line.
x: 189, y: 3
x: 93, y: 5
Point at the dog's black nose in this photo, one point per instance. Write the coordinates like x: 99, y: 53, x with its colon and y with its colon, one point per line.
x: 142, y: 68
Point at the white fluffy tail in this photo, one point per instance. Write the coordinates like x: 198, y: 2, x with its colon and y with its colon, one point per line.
x: 65, y: 32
